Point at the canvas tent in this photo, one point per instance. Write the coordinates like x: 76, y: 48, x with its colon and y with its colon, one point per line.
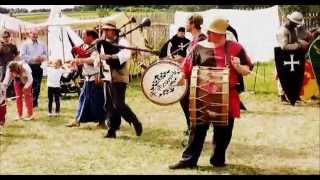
x: 57, y: 18
x: 61, y: 38
x: 13, y: 24
x: 16, y: 27
x: 56, y: 32
x: 256, y: 28
x: 60, y: 35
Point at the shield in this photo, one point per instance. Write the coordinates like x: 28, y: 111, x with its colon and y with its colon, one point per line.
x: 309, y: 85
x: 290, y: 69
x: 314, y: 55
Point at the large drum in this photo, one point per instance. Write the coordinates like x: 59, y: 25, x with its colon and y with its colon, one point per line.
x: 209, y: 96
x: 160, y: 82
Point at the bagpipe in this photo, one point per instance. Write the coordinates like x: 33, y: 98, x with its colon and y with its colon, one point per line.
x: 107, y: 47
x: 81, y: 52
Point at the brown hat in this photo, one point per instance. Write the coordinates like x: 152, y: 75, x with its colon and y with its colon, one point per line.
x: 219, y: 26
x: 110, y: 24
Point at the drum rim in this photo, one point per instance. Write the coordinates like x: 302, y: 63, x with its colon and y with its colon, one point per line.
x: 213, y: 68
x: 312, y: 44
x: 162, y: 104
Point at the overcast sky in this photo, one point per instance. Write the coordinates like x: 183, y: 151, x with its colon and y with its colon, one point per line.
x: 31, y: 7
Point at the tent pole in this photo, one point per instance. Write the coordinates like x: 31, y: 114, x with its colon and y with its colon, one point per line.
x: 63, y: 55
x: 255, y: 78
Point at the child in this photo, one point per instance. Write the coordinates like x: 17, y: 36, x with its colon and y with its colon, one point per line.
x: 21, y: 73
x: 3, y: 107
x: 55, y: 71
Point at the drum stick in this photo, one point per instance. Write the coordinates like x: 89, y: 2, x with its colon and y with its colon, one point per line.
x: 181, y: 48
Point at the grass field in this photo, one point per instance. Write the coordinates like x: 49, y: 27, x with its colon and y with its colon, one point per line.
x: 269, y: 138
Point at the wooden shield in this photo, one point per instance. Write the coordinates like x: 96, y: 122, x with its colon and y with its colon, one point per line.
x: 314, y: 54
x: 290, y: 69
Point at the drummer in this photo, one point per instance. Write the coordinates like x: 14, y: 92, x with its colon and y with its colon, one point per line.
x: 207, y: 53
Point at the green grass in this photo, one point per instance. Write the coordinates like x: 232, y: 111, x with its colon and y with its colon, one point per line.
x: 42, y: 17
x: 261, y: 80
x: 269, y: 138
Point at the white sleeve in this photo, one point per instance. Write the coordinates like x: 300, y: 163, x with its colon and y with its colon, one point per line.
x: 29, y: 75
x: 124, y: 54
x: 7, y: 77
x: 169, y: 48
x: 62, y: 72
x: 26, y: 57
x: 44, y: 52
x: 65, y: 72
x: 96, y: 59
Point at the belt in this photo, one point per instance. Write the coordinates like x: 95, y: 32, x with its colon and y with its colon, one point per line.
x: 35, y: 65
x: 88, y: 77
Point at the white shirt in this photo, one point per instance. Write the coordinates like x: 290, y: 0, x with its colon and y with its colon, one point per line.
x: 54, y: 76
x: 124, y: 54
x: 27, y: 73
x: 89, y: 70
x: 30, y: 49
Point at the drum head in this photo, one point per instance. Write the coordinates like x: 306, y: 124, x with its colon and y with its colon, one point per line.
x: 159, y: 83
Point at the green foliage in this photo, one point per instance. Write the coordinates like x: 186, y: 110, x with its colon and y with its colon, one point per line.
x: 40, y: 10
x: 4, y: 10
x: 288, y: 134
x: 103, y: 12
x: 286, y: 9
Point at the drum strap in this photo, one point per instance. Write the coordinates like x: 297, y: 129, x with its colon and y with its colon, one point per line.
x: 226, y: 56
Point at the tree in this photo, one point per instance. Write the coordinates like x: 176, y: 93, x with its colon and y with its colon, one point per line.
x: 103, y: 12
x: 4, y: 10
x: 286, y: 9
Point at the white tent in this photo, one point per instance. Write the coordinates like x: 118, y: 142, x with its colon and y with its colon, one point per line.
x: 60, y: 42
x: 61, y: 38
x: 59, y: 32
x: 256, y: 28
x: 14, y: 24
x: 57, y: 18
